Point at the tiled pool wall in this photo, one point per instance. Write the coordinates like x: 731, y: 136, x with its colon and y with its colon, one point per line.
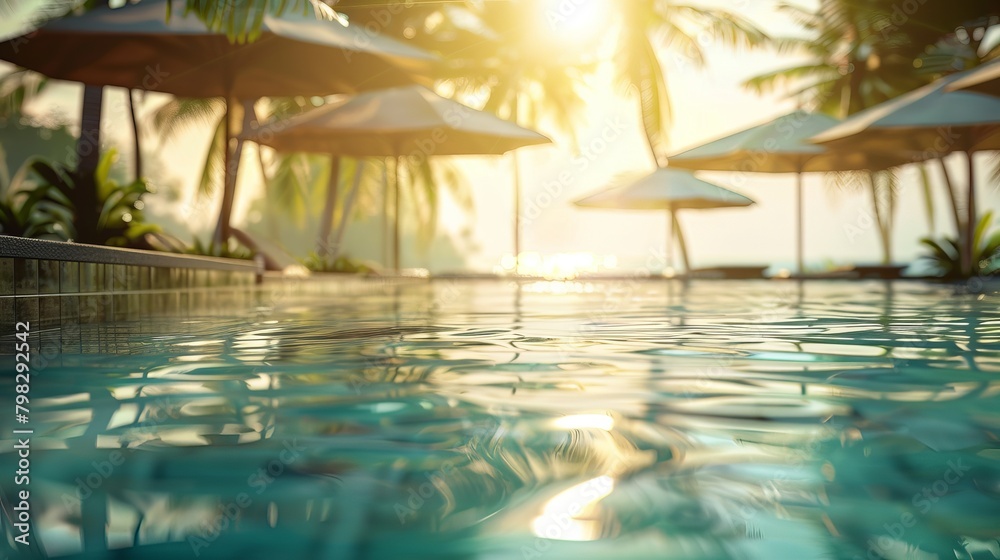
x: 81, y: 299
x: 61, y: 297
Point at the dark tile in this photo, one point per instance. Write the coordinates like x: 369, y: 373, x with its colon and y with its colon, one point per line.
x: 7, y: 314
x: 90, y: 339
x: 26, y: 311
x: 132, y: 278
x: 134, y: 311
x: 49, y: 311
x: 70, y: 338
x: 49, y: 348
x: 178, y: 278
x: 159, y: 278
x: 92, y: 308
x: 119, y: 308
x: 119, y: 277
x: 165, y: 279
x: 25, y: 276
x: 69, y: 307
x: 105, y: 277
x: 48, y: 277
x: 6, y: 277
x: 89, y: 280
x: 69, y: 277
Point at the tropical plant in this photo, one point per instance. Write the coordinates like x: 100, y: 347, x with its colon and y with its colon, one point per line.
x: 119, y: 218
x: 231, y: 249
x: 323, y: 263
x: 945, y: 255
x: 28, y: 209
x: 497, y: 68
x: 862, y: 53
x: 17, y: 87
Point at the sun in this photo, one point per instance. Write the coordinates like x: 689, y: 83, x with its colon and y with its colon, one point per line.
x: 573, y: 21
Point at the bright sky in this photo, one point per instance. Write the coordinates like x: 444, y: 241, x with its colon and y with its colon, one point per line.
x: 707, y: 104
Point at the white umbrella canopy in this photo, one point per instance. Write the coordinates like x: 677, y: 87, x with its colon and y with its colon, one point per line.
x: 670, y: 190
x: 396, y: 122
x: 932, y: 121
x: 137, y: 46
x: 665, y: 189
x: 985, y: 79
x: 782, y: 146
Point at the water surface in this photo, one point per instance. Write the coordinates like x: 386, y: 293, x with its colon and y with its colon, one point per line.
x: 487, y: 419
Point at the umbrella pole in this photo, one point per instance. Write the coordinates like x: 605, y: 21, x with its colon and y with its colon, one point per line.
x: 345, y: 212
x: 799, y: 259
x: 385, y: 212
x: 517, y: 213
x: 969, y: 249
x: 396, y: 233
x: 669, y: 249
x: 326, y: 226
x: 232, y: 162
x: 679, y: 234
x: 952, y: 198
x: 222, y: 224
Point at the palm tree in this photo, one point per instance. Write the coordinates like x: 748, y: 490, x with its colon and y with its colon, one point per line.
x: 295, y: 180
x: 21, y: 85
x: 17, y: 88
x: 648, y: 25
x: 495, y: 66
x: 862, y: 53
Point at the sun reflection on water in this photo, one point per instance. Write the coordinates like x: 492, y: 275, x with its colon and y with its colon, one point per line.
x: 573, y: 514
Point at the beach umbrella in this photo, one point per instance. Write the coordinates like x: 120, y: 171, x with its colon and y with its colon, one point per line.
x: 985, y: 79
x: 410, y: 121
x: 781, y: 146
x: 933, y: 121
x: 138, y: 46
x: 670, y: 190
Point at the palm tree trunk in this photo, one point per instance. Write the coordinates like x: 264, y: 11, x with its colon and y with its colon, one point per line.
x: 135, y: 134
x: 232, y: 164
x: 669, y: 249
x: 800, y: 260
x: 88, y: 153
x: 969, y: 253
x: 515, y: 110
x: 396, y: 235
x: 952, y: 197
x: 385, y: 211
x: 681, y: 242
x: 880, y: 220
x: 338, y: 239
x: 326, y: 225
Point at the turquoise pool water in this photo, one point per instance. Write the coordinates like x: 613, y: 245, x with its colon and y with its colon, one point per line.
x: 490, y: 420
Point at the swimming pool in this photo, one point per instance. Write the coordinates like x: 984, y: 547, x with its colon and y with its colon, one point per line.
x: 491, y: 419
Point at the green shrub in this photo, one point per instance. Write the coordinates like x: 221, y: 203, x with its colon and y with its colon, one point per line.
x: 945, y: 254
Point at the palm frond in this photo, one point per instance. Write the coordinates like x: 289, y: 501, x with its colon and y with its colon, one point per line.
x: 213, y: 167
x: 179, y: 114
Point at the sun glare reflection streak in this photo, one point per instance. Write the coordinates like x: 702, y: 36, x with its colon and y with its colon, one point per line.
x: 572, y: 515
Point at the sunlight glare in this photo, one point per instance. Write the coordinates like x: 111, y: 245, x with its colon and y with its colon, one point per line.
x: 584, y: 421
x: 572, y: 515
x: 574, y: 21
